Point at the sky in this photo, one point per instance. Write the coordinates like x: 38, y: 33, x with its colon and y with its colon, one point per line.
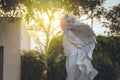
x: 111, y: 3
x: 98, y: 28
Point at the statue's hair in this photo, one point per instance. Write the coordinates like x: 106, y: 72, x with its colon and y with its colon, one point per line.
x: 71, y: 16
x: 63, y: 21
x: 79, y: 29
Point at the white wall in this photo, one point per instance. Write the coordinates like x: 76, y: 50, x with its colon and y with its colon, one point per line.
x: 14, y: 38
x: 24, y: 38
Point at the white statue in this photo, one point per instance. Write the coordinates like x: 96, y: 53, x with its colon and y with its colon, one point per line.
x: 78, y: 42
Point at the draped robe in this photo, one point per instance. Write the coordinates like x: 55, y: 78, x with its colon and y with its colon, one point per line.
x: 79, y: 43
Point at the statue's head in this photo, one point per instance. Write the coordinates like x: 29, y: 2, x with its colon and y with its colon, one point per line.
x: 67, y: 21
x: 70, y: 18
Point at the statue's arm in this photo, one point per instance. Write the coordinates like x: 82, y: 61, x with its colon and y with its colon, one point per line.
x: 74, y: 40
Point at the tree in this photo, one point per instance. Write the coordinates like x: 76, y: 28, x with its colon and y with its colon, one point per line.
x: 34, y: 9
x: 91, y: 8
x: 50, y: 7
x: 113, y: 20
x: 56, y: 60
x: 10, y: 8
x: 45, y: 8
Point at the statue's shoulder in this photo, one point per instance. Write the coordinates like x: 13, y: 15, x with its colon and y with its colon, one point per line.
x: 78, y: 23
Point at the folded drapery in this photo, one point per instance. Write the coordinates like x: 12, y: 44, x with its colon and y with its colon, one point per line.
x: 78, y: 42
x: 78, y: 58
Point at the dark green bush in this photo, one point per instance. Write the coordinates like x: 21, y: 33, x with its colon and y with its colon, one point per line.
x: 32, y: 65
x: 103, y: 63
x: 56, y: 60
x: 107, y: 58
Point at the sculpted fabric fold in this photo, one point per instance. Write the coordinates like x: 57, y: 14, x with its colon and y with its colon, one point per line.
x: 78, y: 42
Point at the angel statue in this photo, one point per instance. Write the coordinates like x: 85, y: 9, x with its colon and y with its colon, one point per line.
x: 78, y: 42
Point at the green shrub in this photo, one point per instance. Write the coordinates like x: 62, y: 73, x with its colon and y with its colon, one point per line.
x: 107, y: 58
x: 56, y: 60
x: 103, y: 63
x: 32, y: 65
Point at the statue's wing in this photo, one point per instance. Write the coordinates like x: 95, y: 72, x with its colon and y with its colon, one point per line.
x: 84, y: 32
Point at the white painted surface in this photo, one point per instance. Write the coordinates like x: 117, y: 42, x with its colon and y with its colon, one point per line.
x: 24, y: 39
x: 14, y: 38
